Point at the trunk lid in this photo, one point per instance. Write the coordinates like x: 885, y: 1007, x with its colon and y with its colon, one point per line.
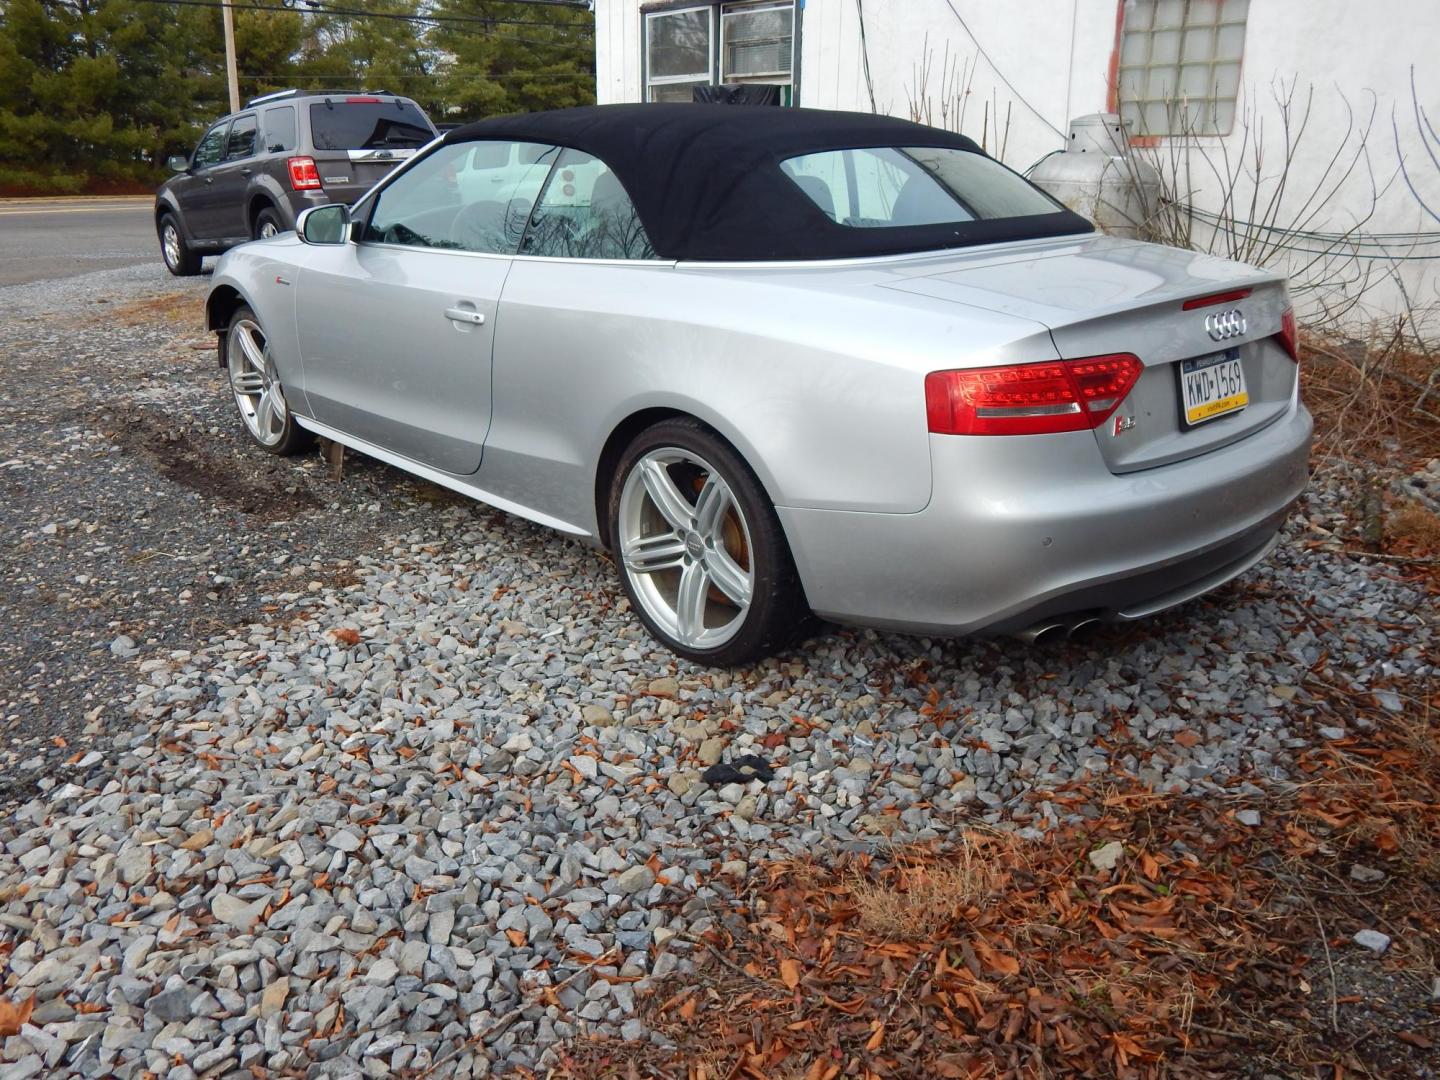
x: 1100, y: 295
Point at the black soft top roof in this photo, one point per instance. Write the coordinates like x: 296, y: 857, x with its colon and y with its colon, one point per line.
x: 706, y: 181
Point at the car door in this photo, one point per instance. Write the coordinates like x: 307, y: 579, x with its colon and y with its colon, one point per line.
x: 195, y: 191
x: 231, y: 178
x: 396, y: 327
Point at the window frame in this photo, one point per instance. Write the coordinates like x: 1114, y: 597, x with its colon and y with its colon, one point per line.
x: 294, y: 129
x: 715, y: 76
x: 678, y: 80
x: 363, y: 214
x: 1210, y: 102
x: 540, y: 197
x: 733, y: 10
x: 224, y: 140
x: 254, y: 120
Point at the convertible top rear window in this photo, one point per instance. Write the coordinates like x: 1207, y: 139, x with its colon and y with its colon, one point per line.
x: 897, y: 186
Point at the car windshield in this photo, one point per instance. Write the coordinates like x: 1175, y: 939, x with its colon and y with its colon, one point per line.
x: 897, y: 186
x: 369, y: 124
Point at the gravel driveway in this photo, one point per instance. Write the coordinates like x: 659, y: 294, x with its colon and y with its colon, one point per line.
x: 349, y: 779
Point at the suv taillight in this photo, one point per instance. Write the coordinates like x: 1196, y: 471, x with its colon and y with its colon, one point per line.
x: 1029, y: 399
x: 303, y: 174
x: 1290, y: 335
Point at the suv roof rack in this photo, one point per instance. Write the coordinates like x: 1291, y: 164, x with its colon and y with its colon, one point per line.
x: 271, y: 97
x: 278, y: 94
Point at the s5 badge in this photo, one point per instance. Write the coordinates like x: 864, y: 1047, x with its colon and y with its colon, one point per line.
x: 1122, y: 424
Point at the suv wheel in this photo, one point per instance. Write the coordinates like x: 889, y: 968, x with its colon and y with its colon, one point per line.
x: 701, y: 553
x: 180, y: 260
x: 267, y: 224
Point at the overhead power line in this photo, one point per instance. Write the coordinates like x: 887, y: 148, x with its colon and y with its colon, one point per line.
x: 504, y: 76
x: 998, y: 73
x: 322, y: 9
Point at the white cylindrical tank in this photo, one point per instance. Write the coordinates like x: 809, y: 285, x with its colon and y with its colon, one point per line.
x: 1096, y: 176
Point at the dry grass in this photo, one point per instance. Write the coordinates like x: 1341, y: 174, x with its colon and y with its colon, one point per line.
x: 1414, y: 528
x: 1364, y: 394
x: 921, y: 902
x: 180, y: 309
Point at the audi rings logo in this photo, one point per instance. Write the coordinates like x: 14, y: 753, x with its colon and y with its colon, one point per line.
x: 1224, y: 325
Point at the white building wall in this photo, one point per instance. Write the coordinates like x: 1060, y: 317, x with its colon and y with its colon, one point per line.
x: 1057, y: 55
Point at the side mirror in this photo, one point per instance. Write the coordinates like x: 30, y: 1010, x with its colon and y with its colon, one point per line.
x: 324, y: 224
x: 177, y: 163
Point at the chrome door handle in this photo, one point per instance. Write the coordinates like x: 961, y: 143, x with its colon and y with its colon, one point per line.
x: 465, y: 315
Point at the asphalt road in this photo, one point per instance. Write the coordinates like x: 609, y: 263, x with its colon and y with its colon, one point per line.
x: 43, y: 239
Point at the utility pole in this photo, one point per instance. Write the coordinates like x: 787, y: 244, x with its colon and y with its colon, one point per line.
x: 232, y: 76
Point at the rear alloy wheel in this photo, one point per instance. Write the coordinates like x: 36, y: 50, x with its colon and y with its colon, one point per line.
x: 259, y: 397
x: 701, y: 553
x: 179, y: 259
x: 267, y: 224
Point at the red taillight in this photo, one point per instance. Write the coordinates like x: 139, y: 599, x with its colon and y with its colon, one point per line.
x: 362, y: 100
x: 1290, y: 335
x: 1215, y: 298
x: 1029, y: 399
x: 303, y: 174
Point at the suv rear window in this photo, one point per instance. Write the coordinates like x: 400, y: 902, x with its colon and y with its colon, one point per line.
x: 370, y: 124
x: 897, y: 186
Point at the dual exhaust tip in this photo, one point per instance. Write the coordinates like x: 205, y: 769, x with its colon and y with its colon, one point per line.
x: 1049, y: 631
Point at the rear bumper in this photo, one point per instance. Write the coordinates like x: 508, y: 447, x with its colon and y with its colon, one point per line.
x: 1022, y: 529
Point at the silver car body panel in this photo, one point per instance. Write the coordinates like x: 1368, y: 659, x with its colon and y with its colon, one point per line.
x: 815, y: 373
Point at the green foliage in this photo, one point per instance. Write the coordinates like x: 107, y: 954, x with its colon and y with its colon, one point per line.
x: 97, y: 91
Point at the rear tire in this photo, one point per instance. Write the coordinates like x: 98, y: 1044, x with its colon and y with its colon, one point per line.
x: 255, y: 384
x: 180, y: 259
x: 267, y: 224
x: 699, y: 548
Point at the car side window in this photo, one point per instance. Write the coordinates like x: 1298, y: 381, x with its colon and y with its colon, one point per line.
x: 464, y: 197
x: 212, y: 147
x: 585, y: 213
x: 241, y: 141
x: 279, y: 129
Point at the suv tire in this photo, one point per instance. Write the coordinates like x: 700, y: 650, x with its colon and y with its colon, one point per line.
x: 179, y: 258
x: 267, y: 223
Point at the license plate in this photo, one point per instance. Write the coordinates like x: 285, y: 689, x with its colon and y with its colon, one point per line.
x: 1212, y: 386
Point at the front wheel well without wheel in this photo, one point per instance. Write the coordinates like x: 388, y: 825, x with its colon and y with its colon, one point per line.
x: 220, y: 307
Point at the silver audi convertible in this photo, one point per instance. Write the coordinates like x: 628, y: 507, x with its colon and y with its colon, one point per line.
x: 784, y: 361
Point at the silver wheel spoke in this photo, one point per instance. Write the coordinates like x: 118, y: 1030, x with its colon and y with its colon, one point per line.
x: 729, y: 578
x: 710, y: 507
x: 253, y: 353
x: 665, y: 495
x: 249, y: 382
x: 263, y: 413
x: 277, y: 405
x: 665, y: 551
x: 690, y: 602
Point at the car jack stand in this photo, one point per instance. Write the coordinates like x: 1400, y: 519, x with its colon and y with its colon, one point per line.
x: 334, y: 455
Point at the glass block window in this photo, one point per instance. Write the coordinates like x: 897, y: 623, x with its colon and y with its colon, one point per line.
x: 1180, y: 65
x: 757, y: 42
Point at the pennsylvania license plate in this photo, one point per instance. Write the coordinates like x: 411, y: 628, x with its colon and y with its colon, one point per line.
x: 1212, y: 386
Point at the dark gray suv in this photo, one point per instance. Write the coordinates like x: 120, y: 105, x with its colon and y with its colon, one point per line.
x: 255, y: 170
